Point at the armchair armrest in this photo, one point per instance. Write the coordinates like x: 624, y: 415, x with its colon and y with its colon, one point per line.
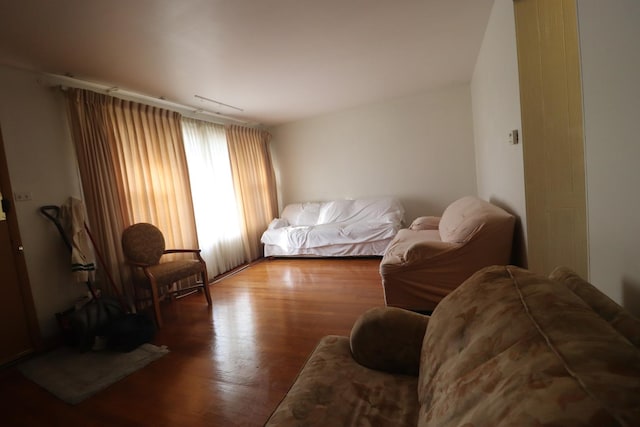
x: 389, y: 339
x: 278, y: 223
x: 181, y: 251
x: 422, y: 251
x: 425, y: 223
x: 196, y: 252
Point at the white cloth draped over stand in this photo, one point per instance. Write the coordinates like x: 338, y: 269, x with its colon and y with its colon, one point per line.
x: 82, y: 258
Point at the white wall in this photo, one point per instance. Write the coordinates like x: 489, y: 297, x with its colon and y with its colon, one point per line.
x: 495, y: 97
x: 41, y: 161
x: 418, y: 148
x: 610, y: 57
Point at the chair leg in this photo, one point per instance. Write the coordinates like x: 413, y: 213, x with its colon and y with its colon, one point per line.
x: 156, y: 303
x: 205, y: 286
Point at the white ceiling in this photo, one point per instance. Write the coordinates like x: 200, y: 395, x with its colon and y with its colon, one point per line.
x: 278, y: 60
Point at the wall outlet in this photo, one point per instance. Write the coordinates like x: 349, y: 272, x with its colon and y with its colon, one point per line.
x: 22, y: 196
x: 513, y: 137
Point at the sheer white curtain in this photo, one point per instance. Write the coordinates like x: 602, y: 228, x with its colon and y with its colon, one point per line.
x: 214, y: 201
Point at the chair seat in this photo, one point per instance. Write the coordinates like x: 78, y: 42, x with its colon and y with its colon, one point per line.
x: 169, y: 272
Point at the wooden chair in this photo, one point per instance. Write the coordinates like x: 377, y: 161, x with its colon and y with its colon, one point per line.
x: 143, y: 245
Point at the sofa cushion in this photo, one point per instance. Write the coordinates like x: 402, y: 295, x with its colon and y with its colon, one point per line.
x: 509, y: 347
x: 334, y: 390
x: 462, y: 218
x: 300, y: 214
x: 459, y: 220
x: 335, y: 211
x: 389, y: 339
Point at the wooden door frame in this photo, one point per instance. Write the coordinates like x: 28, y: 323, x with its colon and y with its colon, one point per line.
x: 19, y: 260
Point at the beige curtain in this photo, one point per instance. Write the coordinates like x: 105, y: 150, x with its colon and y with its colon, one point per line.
x: 153, y: 169
x: 133, y: 169
x: 254, y: 182
x: 103, y: 192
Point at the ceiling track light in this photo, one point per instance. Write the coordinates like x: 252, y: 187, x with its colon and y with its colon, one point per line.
x: 204, y: 98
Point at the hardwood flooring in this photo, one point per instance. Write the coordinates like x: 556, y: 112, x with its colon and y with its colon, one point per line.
x: 229, y: 365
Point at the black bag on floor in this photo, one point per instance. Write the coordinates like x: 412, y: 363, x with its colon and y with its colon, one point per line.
x: 80, y: 327
x: 105, y: 318
x: 129, y: 331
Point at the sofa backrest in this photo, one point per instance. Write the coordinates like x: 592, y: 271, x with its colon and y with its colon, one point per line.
x: 509, y: 347
x: 619, y: 318
x: 380, y: 209
x: 462, y: 219
x: 301, y: 213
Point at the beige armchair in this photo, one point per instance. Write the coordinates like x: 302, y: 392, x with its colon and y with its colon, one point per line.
x: 425, y: 262
x: 143, y: 246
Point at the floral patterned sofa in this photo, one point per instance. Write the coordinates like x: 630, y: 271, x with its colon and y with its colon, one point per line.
x: 506, y: 348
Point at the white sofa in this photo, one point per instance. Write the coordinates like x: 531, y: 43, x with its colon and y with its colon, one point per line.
x: 360, y: 227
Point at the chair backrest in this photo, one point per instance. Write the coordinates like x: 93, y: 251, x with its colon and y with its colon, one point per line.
x: 143, y: 243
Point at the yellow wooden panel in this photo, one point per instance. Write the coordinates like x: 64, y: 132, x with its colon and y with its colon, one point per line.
x: 551, y: 105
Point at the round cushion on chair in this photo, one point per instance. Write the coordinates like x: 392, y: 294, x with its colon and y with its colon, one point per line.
x: 143, y: 243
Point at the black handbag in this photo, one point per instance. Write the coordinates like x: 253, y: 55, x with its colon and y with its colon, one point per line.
x: 129, y: 331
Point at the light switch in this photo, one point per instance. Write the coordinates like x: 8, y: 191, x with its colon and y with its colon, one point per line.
x: 513, y: 137
x: 22, y: 196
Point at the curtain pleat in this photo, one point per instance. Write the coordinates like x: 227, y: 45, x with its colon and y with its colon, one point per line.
x: 254, y: 182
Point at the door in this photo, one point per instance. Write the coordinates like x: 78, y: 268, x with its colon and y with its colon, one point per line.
x: 553, y: 146
x: 19, y: 332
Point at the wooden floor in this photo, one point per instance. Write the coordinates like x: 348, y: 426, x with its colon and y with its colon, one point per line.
x: 229, y: 366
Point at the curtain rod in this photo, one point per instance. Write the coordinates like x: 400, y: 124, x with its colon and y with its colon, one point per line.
x: 187, y: 110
